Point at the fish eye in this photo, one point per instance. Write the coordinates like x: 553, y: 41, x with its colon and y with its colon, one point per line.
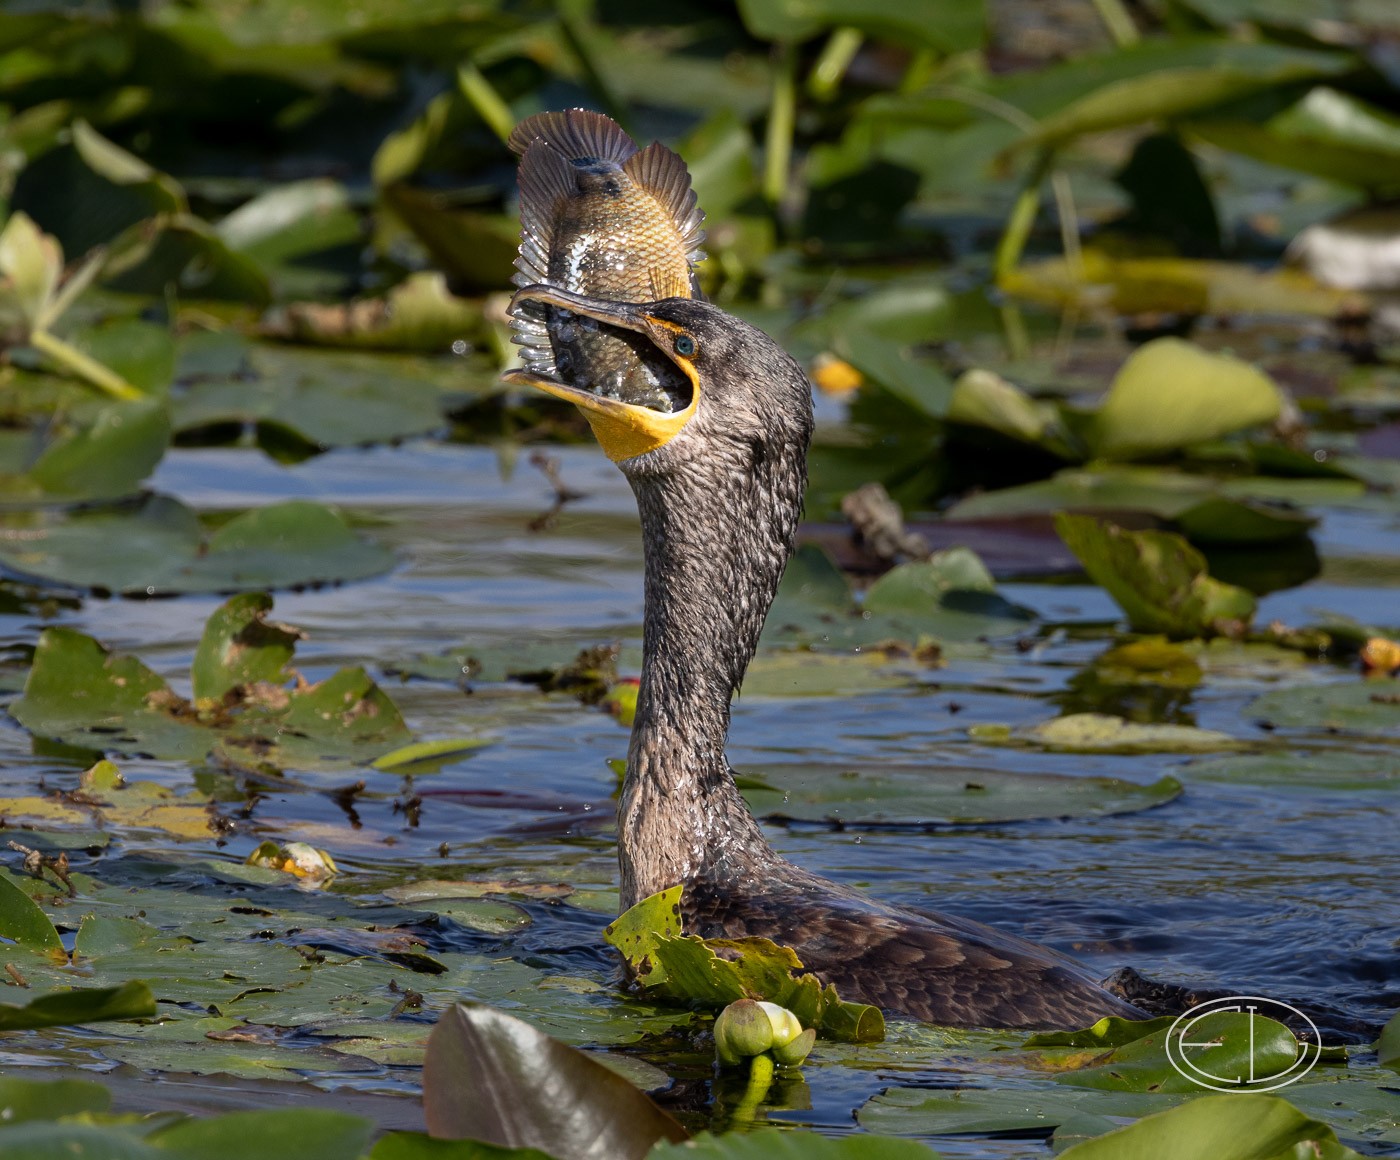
x: 685, y: 346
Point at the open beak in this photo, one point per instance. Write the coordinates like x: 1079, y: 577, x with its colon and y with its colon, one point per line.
x: 623, y: 429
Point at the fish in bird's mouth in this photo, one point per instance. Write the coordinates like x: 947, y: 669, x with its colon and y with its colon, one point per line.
x: 613, y: 224
x: 624, y: 427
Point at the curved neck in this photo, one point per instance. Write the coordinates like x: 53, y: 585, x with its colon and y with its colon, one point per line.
x: 718, y: 531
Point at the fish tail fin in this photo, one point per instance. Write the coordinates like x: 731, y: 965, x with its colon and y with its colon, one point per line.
x: 576, y: 133
x: 546, y: 177
x: 663, y: 174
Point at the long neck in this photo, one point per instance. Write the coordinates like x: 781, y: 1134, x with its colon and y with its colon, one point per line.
x: 717, y: 535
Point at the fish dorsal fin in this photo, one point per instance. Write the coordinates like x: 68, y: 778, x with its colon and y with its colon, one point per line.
x: 576, y: 133
x: 546, y: 178
x: 663, y: 174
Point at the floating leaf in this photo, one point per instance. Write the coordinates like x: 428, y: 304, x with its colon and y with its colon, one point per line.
x: 688, y: 969
x: 1100, y: 733
x: 1239, y: 1126
x: 22, y: 1100
x: 22, y: 922
x: 951, y: 595
x: 79, y: 1005
x: 924, y: 796
x: 428, y: 756
x: 160, y: 546
x: 315, y: 1132
x: 321, y: 398
x: 986, y: 400
x: 1388, y: 1045
x: 774, y: 1145
x: 1174, y: 285
x: 1157, y: 578
x: 1367, y: 706
x: 238, y: 648
x: 418, y: 314
x: 489, y: 1076
x: 79, y: 692
x: 1171, y: 394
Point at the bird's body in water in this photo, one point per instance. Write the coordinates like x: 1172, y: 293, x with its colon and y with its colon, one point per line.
x: 719, y: 482
x: 603, y: 218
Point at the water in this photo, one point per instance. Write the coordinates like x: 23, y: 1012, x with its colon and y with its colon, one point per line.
x: 1253, y: 885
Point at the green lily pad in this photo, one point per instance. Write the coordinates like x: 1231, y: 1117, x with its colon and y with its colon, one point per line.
x: 1157, y: 578
x: 285, y: 1132
x: 1388, y: 1045
x: 419, y: 314
x: 1364, y: 706
x: 22, y: 922
x: 983, y: 1111
x: 105, y: 459
x: 1306, y: 767
x: 22, y: 1100
x: 1240, y: 1126
x: 949, y: 597
x: 239, y: 647
x: 161, y: 546
x: 79, y: 1005
x: 321, y: 398
x: 688, y: 969
x: 80, y: 693
x: 428, y: 756
x: 1102, y: 733
x: 1171, y: 394
x: 923, y: 796
x: 768, y: 1144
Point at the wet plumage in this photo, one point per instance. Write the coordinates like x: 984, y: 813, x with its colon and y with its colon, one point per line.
x: 720, y: 497
x: 603, y: 218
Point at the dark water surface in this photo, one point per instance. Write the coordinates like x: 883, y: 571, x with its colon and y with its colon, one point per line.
x: 1252, y: 882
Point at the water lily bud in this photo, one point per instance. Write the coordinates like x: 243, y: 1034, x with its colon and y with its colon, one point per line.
x: 793, y: 1053
x: 786, y: 1026
x: 743, y: 1029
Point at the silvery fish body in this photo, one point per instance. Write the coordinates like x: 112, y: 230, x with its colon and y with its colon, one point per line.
x: 602, y: 218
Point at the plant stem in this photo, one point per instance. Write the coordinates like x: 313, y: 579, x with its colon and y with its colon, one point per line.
x: 825, y: 77
x: 481, y: 94
x: 1018, y: 227
x: 760, y: 1080
x: 1118, y: 22
x: 101, y: 377
x: 782, y: 118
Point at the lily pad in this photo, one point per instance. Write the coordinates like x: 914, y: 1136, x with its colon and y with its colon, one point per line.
x: 105, y: 459
x: 1171, y: 394
x: 323, y: 398
x: 1365, y: 706
x: 1157, y: 578
x: 22, y: 922
x: 79, y: 1005
x: 774, y: 1145
x: 492, y: 1077
x: 1240, y: 1126
x: 923, y: 796
x: 1101, y: 733
x: 688, y: 969
x: 80, y: 693
x: 161, y: 546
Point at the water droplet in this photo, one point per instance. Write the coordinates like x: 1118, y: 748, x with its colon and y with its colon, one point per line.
x: 1320, y: 455
x: 460, y: 346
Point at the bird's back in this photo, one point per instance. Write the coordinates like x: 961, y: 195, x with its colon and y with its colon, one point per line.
x: 927, y: 966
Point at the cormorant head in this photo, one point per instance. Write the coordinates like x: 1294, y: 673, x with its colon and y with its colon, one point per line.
x: 744, y: 388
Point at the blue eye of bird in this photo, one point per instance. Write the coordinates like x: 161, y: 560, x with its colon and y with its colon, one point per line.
x: 685, y: 345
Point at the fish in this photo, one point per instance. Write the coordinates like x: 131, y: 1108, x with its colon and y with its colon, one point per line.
x: 603, y: 218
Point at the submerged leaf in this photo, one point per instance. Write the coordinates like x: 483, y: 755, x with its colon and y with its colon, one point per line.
x: 489, y: 1076
x: 1099, y: 733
